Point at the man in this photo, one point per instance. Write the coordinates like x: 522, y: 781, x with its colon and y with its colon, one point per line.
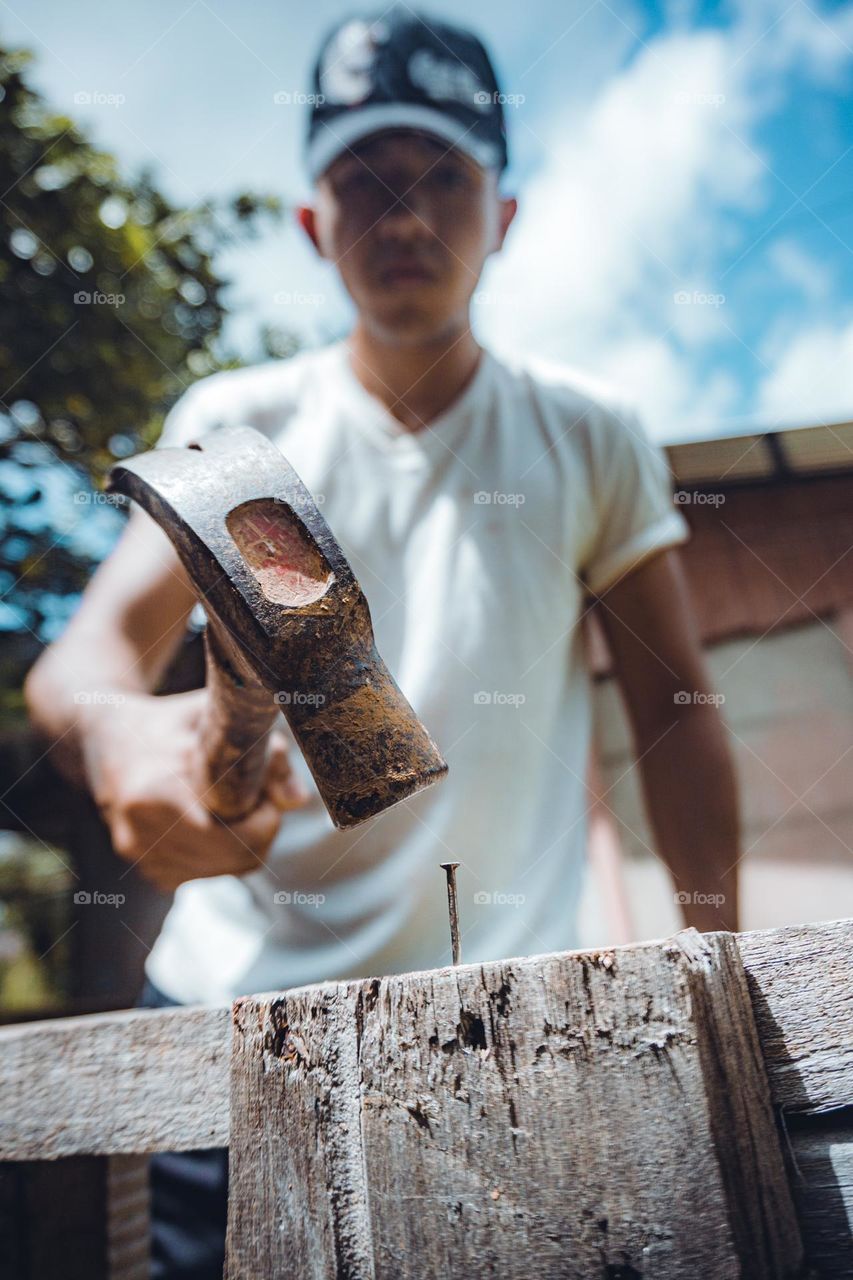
x: 482, y: 504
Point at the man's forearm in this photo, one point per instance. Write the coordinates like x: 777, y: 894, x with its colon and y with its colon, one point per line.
x: 691, y: 796
x: 65, y: 692
x: 120, y: 641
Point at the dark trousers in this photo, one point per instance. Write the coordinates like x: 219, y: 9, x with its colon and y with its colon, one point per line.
x: 189, y: 1199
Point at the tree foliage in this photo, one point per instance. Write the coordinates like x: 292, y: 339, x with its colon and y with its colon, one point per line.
x: 110, y: 306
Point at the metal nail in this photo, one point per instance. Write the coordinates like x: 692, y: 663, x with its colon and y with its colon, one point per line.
x: 453, y: 907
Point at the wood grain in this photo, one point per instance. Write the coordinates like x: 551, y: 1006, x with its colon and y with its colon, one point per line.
x: 139, y: 1081
x: 566, y: 1116
x: 115, y: 1084
x: 801, y: 986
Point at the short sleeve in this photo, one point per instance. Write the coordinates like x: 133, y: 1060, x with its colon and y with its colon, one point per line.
x: 632, y: 500
x: 190, y: 417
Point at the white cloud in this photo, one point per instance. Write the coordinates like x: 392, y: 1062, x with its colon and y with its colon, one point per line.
x: 643, y: 196
x: 806, y: 37
x: 642, y: 191
x: 624, y: 216
x: 812, y: 380
x: 660, y: 381
x: 796, y: 266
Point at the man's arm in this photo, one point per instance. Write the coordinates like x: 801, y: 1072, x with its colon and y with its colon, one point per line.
x: 120, y: 641
x: 679, y: 737
x: 89, y: 696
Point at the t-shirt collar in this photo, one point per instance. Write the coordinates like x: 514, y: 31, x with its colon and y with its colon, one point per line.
x: 374, y: 418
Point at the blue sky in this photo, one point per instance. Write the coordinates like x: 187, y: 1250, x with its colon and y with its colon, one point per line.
x: 684, y: 173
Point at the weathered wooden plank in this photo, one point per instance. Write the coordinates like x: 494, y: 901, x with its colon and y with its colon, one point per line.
x: 54, y: 1102
x: 822, y: 1185
x: 121, y: 1083
x: 314, y: 1203
x: 169, y: 1068
x: 801, y: 987
x: 565, y: 1116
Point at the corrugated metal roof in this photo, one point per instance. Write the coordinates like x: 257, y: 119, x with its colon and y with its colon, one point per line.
x: 822, y: 448
x: 816, y: 450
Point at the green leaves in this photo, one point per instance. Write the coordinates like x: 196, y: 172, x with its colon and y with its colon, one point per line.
x: 110, y: 307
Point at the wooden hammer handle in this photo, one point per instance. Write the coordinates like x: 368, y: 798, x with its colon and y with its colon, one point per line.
x: 237, y: 721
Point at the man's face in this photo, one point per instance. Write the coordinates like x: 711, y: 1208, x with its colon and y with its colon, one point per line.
x: 409, y: 223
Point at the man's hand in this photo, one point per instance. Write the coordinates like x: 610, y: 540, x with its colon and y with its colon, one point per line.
x: 141, y: 757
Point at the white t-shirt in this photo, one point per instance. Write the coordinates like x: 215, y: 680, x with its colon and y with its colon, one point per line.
x: 474, y: 541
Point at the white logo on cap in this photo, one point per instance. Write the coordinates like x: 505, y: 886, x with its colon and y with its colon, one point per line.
x: 345, y: 73
x: 443, y: 78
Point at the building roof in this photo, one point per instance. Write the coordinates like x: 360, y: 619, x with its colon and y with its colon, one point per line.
x: 823, y: 449
x: 771, y: 519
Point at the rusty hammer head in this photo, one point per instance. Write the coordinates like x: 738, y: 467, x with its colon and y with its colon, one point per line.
x: 287, y: 612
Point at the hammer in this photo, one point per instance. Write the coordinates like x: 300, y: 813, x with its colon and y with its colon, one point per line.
x: 289, y: 630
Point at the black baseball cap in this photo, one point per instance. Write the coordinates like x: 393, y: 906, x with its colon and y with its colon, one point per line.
x: 403, y: 70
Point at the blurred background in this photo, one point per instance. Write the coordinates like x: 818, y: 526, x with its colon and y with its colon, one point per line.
x: 686, y: 212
